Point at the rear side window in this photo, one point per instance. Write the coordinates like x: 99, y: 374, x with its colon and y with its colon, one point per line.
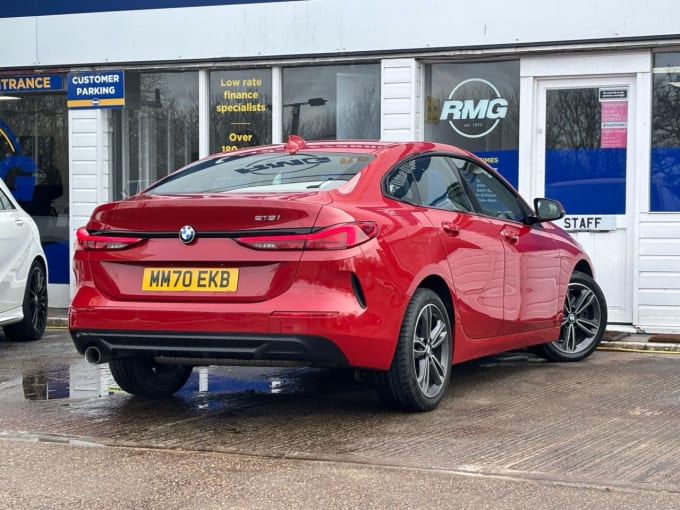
x: 269, y: 172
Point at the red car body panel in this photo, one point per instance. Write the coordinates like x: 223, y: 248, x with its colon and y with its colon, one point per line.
x: 505, y: 281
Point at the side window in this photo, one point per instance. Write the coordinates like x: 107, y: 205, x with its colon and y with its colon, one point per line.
x: 431, y: 182
x: 439, y: 186
x: 5, y: 204
x: 493, y: 197
x: 399, y: 184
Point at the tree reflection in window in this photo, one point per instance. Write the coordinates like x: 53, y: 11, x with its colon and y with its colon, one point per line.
x: 665, y: 157
x: 332, y: 102
x: 666, y: 110
x: 573, y: 119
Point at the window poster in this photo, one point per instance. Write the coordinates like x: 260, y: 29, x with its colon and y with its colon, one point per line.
x: 614, y: 129
x: 240, y: 109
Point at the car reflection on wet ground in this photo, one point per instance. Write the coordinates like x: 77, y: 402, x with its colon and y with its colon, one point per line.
x: 79, y: 380
x: 72, y: 378
x: 48, y: 378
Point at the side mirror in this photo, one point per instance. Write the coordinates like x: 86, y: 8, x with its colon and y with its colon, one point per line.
x: 547, y: 210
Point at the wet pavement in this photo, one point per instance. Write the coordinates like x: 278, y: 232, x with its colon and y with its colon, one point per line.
x: 610, y: 424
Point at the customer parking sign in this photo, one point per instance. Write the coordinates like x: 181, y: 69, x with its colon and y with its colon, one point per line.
x: 95, y: 89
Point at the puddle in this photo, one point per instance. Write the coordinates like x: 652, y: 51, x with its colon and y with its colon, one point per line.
x: 80, y: 380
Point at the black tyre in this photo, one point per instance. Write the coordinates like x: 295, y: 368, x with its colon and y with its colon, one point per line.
x: 583, y: 324
x: 421, y: 369
x: 144, y: 377
x: 32, y: 326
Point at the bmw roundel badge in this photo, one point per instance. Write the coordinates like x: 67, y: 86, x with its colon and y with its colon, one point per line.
x: 187, y: 234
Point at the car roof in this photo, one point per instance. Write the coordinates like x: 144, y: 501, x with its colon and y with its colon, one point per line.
x: 296, y: 144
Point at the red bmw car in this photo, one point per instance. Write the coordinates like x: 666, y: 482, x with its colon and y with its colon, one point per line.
x: 400, y: 259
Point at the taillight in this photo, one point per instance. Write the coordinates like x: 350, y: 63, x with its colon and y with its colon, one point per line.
x: 87, y: 241
x: 337, y: 237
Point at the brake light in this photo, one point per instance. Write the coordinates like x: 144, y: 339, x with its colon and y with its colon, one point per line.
x: 337, y: 237
x: 87, y: 241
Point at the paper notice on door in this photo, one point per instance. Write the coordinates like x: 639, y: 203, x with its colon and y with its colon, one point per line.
x: 614, y: 128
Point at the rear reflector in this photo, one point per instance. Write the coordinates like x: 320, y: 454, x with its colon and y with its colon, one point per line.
x: 337, y: 237
x: 87, y: 241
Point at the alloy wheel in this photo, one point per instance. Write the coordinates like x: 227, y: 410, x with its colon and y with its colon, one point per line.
x: 431, y: 356
x: 37, y: 298
x: 582, y: 319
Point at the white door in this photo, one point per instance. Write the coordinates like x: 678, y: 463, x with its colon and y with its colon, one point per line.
x: 584, y: 151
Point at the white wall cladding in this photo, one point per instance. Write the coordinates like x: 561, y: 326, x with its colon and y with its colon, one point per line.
x: 89, y: 158
x: 401, y: 100
x: 321, y: 27
x: 659, y: 272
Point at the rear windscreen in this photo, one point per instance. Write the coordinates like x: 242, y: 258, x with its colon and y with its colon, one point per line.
x: 264, y: 173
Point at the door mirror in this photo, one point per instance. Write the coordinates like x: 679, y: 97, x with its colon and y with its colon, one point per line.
x: 547, y: 210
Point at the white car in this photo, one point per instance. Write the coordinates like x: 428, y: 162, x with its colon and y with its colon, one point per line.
x: 23, y: 272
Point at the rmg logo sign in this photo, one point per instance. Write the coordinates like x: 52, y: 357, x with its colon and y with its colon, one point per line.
x: 474, y: 118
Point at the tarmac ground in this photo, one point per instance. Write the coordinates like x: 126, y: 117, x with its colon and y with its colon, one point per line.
x: 513, y: 431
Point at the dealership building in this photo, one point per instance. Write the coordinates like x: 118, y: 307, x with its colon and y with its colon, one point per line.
x: 579, y: 104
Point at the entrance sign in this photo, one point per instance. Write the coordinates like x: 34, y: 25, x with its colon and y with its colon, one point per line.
x: 96, y: 89
x: 32, y: 83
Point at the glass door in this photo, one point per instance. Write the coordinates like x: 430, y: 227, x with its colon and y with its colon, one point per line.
x: 584, y: 149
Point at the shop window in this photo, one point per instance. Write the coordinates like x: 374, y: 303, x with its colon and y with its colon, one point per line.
x: 475, y: 106
x: 240, y: 109
x: 665, y: 157
x: 34, y: 163
x: 157, y: 131
x: 332, y: 102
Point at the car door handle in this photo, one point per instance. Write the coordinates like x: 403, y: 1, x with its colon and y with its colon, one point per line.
x: 510, y: 236
x: 450, y: 228
x: 19, y: 222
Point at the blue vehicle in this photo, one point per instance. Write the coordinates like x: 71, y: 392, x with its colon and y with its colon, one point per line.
x: 17, y: 170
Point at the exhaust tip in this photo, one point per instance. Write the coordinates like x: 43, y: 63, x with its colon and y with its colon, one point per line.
x: 93, y: 355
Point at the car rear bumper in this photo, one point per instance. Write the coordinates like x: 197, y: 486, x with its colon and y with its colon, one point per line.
x: 200, y: 348
x: 249, y: 333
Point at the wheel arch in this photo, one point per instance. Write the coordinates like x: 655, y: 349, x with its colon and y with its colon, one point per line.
x: 583, y: 266
x: 438, y: 285
x: 40, y: 258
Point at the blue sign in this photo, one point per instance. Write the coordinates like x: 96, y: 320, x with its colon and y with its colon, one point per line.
x: 20, y: 8
x: 95, y: 89
x: 31, y: 83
